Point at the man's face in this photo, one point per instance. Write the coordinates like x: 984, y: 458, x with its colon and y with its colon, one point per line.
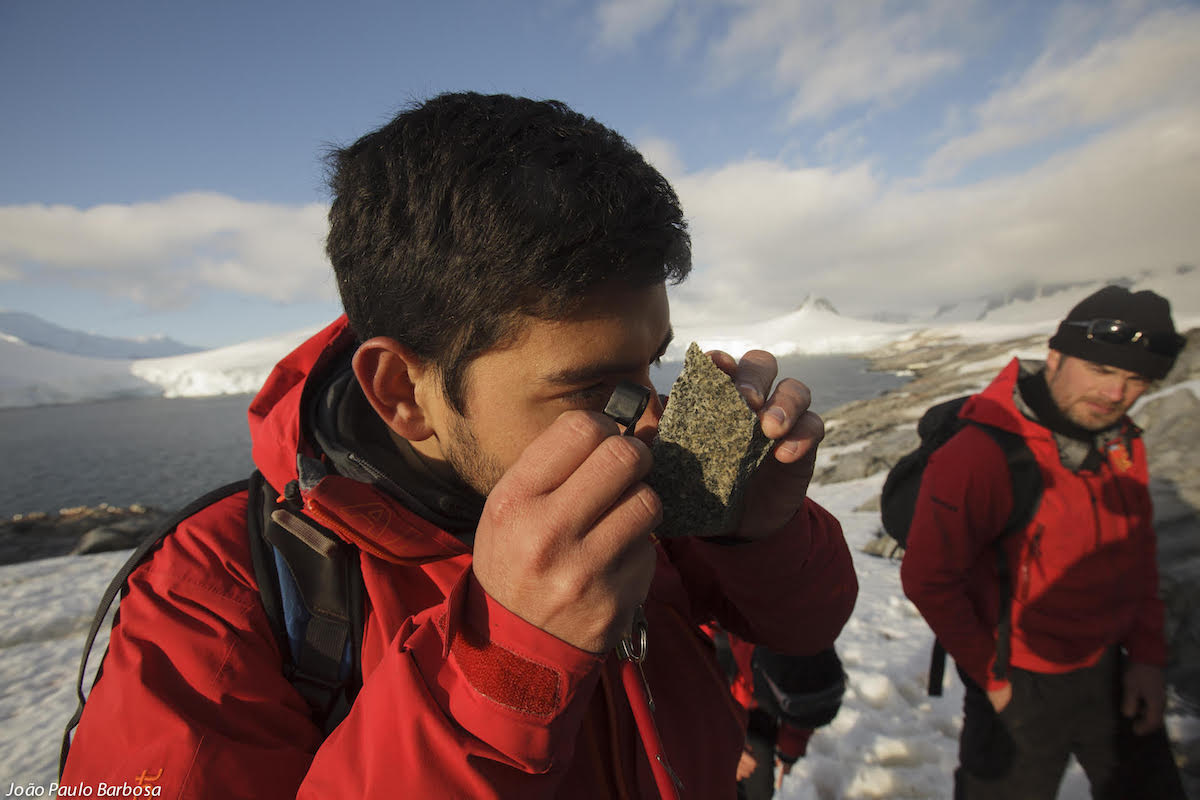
x: 513, y: 393
x: 1093, y: 396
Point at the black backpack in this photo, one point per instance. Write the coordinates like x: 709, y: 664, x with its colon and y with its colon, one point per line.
x: 311, y: 590
x: 899, y: 499
x: 804, y: 691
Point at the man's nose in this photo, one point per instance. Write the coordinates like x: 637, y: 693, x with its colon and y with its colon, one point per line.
x: 1114, y: 391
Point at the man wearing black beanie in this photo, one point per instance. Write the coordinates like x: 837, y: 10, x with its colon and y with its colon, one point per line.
x: 1056, y: 625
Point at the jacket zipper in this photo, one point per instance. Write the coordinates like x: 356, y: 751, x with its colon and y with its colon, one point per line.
x: 1095, y: 515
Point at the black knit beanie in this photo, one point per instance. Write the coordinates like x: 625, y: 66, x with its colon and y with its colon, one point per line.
x: 1145, y: 311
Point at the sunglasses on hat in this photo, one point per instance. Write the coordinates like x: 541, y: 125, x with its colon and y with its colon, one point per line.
x: 1115, y: 331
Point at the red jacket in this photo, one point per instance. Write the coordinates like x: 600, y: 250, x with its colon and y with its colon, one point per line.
x: 791, y: 741
x: 1083, y: 571
x: 460, y: 697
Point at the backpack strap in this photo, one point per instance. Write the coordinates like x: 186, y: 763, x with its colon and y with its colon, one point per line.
x: 311, y: 588
x: 118, y: 585
x: 312, y: 592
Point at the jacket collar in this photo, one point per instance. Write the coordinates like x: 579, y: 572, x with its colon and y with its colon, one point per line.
x: 1001, y: 406
x: 355, y: 507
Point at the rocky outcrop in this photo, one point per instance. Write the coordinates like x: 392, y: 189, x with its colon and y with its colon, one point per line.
x: 26, y: 537
x: 944, y: 368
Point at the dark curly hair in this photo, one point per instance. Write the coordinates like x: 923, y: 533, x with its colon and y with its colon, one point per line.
x: 468, y: 211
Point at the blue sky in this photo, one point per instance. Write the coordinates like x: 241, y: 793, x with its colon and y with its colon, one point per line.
x: 160, y: 169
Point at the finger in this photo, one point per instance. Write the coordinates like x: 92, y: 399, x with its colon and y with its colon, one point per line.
x: 755, y: 375
x: 1145, y: 723
x: 789, y: 403
x: 1129, y: 703
x: 1153, y: 715
x: 624, y: 526
x: 559, y: 451
x: 724, y: 362
x: 619, y: 551
x: 801, y: 441
x: 604, y: 477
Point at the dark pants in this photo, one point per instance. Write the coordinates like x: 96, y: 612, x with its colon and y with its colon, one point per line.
x: 1022, y: 752
x: 761, y: 735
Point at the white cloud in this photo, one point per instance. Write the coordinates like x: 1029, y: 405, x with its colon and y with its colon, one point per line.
x: 1154, y: 64
x: 766, y: 235
x: 663, y: 155
x: 157, y: 253
x: 621, y: 22
x: 828, y: 56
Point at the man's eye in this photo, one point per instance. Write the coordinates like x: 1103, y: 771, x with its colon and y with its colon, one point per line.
x: 589, y: 395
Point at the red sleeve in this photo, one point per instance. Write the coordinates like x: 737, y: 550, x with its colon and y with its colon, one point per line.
x: 965, y: 497
x: 193, y: 694
x: 792, y: 591
x: 792, y: 742
x: 475, y: 703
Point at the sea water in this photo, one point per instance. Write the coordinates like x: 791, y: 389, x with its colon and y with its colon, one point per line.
x: 163, y: 453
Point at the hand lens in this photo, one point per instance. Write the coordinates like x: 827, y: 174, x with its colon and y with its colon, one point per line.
x: 627, y: 403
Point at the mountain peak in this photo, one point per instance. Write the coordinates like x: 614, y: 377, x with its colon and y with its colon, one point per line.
x: 33, y: 330
x: 814, y: 303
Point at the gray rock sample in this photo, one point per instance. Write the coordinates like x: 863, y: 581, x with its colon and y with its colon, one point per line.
x: 709, y: 443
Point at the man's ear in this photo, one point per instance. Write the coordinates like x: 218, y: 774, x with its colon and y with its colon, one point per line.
x: 392, y: 377
x: 1053, y: 359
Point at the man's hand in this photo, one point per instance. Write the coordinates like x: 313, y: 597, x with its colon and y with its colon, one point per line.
x: 746, y: 764
x: 783, y: 769
x: 1145, y: 697
x: 777, y: 491
x: 1000, y: 698
x: 564, y: 540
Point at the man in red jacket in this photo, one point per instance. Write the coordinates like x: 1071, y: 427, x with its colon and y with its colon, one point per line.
x: 502, y: 263
x: 1085, y: 623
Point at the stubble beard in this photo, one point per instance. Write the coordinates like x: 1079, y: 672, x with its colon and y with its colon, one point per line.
x: 1079, y: 410
x: 479, y: 470
x: 1096, y: 423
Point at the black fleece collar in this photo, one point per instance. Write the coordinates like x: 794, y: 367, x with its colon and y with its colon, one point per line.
x: 357, y: 444
x: 1078, y: 448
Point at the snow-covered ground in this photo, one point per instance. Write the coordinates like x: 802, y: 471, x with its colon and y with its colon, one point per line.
x: 890, y: 740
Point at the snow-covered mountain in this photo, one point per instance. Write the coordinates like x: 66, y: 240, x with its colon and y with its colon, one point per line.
x: 40, y: 333
x: 31, y: 375
x: 814, y: 327
x: 1049, y: 301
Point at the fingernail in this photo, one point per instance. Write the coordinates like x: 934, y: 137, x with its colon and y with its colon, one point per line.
x: 776, y: 413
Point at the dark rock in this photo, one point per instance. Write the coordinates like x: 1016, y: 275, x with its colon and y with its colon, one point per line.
x: 709, y: 443
x: 122, y: 535
x: 27, y: 537
x: 884, y: 546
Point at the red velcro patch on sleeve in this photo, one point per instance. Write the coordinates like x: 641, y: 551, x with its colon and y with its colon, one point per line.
x: 505, y: 677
